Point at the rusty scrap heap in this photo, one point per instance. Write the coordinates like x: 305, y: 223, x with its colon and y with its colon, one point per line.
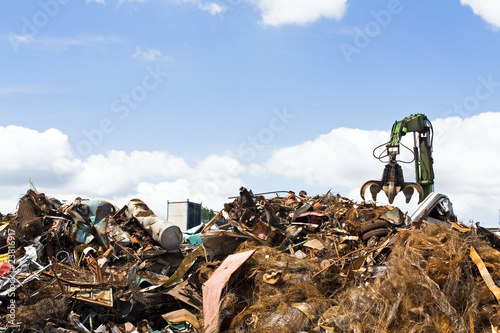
x: 282, y: 264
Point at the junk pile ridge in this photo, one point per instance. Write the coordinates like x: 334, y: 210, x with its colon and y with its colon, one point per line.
x: 281, y: 264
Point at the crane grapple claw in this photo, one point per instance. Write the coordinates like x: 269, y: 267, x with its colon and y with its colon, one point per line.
x: 408, y: 189
x: 392, y: 183
x: 375, y: 187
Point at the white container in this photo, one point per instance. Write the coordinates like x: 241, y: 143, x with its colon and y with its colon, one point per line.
x: 168, y: 235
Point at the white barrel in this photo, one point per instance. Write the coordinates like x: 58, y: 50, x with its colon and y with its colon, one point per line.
x: 168, y: 235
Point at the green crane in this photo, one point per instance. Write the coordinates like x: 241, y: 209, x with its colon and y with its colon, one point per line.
x: 392, y: 181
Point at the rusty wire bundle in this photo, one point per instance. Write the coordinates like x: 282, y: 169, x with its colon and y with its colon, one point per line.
x: 431, y: 285
x: 285, y: 296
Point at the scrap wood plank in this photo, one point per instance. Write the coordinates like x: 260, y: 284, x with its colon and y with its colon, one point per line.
x: 460, y: 228
x: 212, y: 289
x: 485, y: 274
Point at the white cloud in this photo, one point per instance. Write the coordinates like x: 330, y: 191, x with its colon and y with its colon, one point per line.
x: 156, y: 177
x: 116, y: 176
x: 467, y: 166
x: 212, y: 7
x: 61, y: 44
x: 274, y: 12
x: 15, y: 39
x: 278, y: 12
x: 342, y: 157
x: 157, y: 194
x: 27, y: 89
x: 467, y: 169
x: 489, y: 10
x: 466, y: 155
x: 148, y: 55
x: 33, y: 154
x: 121, y: 2
x: 102, y: 2
x: 117, y: 172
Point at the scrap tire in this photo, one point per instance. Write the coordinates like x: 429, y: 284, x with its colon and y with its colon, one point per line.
x: 381, y: 232
x: 372, y: 226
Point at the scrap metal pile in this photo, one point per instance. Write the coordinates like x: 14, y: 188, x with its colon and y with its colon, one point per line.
x: 282, y: 264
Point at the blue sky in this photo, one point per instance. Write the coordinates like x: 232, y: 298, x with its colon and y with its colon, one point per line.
x: 176, y: 99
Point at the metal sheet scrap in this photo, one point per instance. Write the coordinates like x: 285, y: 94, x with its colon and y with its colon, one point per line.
x: 264, y: 263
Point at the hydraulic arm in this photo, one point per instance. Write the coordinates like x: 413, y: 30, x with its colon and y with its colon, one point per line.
x: 392, y: 181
